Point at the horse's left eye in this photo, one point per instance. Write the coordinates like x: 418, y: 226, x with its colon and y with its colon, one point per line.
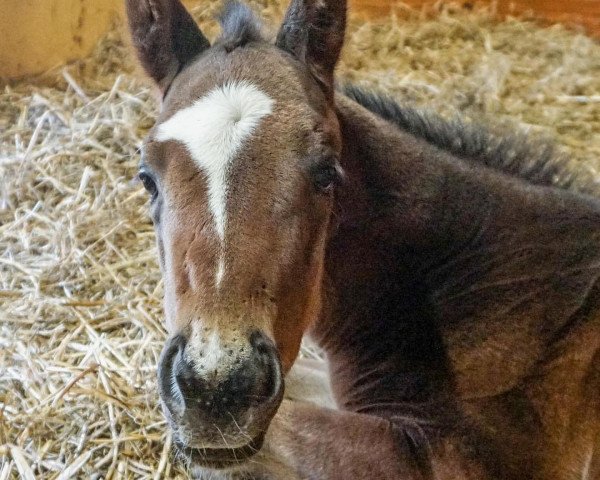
x: 325, y: 177
x: 148, y: 182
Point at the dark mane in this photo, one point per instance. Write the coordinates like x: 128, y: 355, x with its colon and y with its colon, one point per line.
x: 513, y: 153
x: 239, y: 25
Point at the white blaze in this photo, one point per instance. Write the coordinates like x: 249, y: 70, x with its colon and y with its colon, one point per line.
x: 214, y: 129
x: 212, y: 352
x: 220, y: 271
x: 585, y: 473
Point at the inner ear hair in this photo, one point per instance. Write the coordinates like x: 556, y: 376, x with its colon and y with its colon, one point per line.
x: 313, y: 31
x: 165, y: 37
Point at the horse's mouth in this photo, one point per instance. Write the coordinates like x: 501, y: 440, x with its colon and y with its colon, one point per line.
x: 221, y: 458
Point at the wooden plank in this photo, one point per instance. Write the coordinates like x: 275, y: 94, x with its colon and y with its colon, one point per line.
x: 37, y: 35
x: 571, y: 12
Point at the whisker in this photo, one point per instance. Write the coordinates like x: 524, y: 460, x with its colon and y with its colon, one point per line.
x: 238, y: 426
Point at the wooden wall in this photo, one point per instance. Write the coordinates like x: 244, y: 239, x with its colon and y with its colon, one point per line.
x: 569, y: 12
x: 36, y: 35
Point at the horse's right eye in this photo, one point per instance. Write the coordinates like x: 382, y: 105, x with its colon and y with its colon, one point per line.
x: 149, y: 183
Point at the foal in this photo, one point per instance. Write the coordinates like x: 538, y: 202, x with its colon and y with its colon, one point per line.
x: 452, y: 285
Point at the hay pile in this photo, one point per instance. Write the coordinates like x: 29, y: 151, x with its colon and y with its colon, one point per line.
x: 80, y: 315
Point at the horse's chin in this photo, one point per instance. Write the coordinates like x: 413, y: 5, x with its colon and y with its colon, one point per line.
x: 220, y: 459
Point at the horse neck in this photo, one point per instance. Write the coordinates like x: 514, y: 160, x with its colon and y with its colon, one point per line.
x: 401, y: 216
x: 388, y: 174
x: 402, y: 193
x: 387, y: 216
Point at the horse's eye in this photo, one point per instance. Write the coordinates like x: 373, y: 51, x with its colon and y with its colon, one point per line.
x: 149, y: 183
x: 326, y: 176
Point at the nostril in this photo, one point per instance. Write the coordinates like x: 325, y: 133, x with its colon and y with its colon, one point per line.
x: 268, y: 357
x: 261, y: 343
x: 187, y: 379
x: 167, y: 385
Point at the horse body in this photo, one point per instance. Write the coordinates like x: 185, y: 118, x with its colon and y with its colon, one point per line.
x: 483, y: 317
x: 451, y: 283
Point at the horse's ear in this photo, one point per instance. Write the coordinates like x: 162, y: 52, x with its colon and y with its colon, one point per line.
x: 313, y: 31
x: 165, y: 36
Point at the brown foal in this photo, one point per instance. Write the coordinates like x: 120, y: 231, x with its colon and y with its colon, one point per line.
x: 451, y: 277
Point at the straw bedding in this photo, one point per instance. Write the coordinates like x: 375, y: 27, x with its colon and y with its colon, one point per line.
x: 80, y: 314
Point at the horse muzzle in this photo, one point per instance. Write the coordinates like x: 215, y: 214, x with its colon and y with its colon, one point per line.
x: 219, y: 397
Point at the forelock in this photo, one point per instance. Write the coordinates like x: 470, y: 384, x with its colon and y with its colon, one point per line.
x: 239, y: 25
